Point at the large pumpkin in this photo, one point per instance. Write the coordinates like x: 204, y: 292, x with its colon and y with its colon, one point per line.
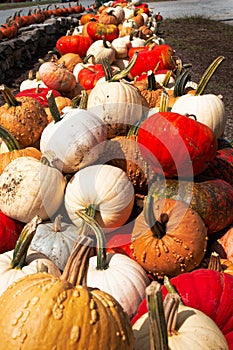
x: 168, y: 238
x: 44, y: 312
x: 176, y: 145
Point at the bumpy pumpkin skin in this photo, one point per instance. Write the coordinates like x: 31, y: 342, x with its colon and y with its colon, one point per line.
x: 182, y: 247
x: 43, y: 312
x: 26, y: 121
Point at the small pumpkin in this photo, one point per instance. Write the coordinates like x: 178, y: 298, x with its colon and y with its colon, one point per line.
x: 168, y: 238
x: 78, y: 44
x: 101, y: 49
x: 69, y: 60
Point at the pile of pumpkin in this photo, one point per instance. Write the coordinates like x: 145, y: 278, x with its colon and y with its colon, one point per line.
x: 116, y: 196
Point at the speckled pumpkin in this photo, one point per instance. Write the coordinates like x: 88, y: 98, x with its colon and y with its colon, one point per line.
x: 211, y: 198
x: 168, y: 238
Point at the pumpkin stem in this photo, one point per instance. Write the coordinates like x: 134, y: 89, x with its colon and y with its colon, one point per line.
x: 163, y: 105
x: 180, y: 83
x: 53, y: 107
x: 170, y: 288
x: 158, y: 328
x: 158, y: 227
x: 75, y: 271
x: 23, y: 243
x: 9, y: 139
x: 57, y: 223
x: 100, y: 238
x: 207, y: 75
x: 9, y: 97
x: 171, y: 305
x: 215, y: 262
x: 151, y: 82
x: 83, y: 100
x: 124, y: 72
x: 106, y: 43
x: 167, y: 78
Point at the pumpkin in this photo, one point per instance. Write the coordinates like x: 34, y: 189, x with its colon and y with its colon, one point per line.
x: 226, y: 242
x: 107, y: 16
x: 97, y: 31
x: 176, y: 145
x: 82, y: 131
x: 39, y: 94
x: 101, y: 49
x: 211, y: 198
x: 19, y: 262
x: 49, y: 302
x: 57, y: 77
x: 103, y: 190
x: 168, y: 238
x: 9, y: 232
x: 55, y: 240
x: 121, y: 46
x: 175, y: 326
x: 30, y: 187
x: 124, y: 153
x: 13, y: 150
x: 31, y: 82
x: 107, y: 271
x: 24, y: 117
x: 78, y: 44
x: 69, y: 60
x: 118, y: 103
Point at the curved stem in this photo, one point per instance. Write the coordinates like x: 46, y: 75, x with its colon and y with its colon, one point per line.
x: 9, y: 97
x: 100, y: 237
x: 180, y: 83
x: 122, y: 74
x: 23, y: 243
x: 9, y: 139
x: 158, y: 227
x: 151, y: 82
x: 53, y: 107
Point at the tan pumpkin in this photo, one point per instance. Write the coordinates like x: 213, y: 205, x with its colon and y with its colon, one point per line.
x: 69, y: 60
x: 13, y: 150
x: 226, y: 242
x: 168, y: 238
x: 60, y: 313
x: 107, y: 16
x: 24, y: 117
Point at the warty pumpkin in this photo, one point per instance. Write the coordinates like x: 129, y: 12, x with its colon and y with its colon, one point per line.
x: 168, y: 238
x: 24, y: 117
x: 45, y: 302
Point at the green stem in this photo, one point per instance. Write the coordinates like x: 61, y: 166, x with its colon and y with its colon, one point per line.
x: 158, y: 227
x: 163, y: 106
x: 207, y: 75
x: 157, y: 322
x: 122, y: 74
x: 88, y: 218
x: 180, y: 83
x: 9, y: 97
x: 151, y: 82
x: 170, y: 288
x: 9, y: 139
x: 23, y: 243
x: 53, y: 107
x: 171, y: 305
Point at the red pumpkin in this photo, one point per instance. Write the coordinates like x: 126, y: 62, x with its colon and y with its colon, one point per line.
x: 148, y: 59
x: 208, y: 291
x: 74, y: 44
x: 9, y: 232
x: 40, y: 94
x: 88, y: 76
x: 98, y: 30
x: 176, y: 145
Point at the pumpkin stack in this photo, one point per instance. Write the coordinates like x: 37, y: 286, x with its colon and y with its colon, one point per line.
x: 113, y: 165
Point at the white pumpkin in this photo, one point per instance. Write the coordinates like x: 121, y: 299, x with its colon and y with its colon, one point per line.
x: 15, y: 264
x: 105, y: 188
x: 55, y: 240
x: 121, y: 46
x: 28, y: 188
x: 209, y: 109
x: 119, y: 104
x: 102, y: 49
x: 187, y: 329
x: 72, y: 138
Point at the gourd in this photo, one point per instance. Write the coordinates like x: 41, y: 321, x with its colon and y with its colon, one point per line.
x: 82, y: 132
x: 168, y: 237
x: 24, y: 117
x: 50, y: 303
x: 30, y: 187
x: 13, y: 150
x: 113, y: 273
x: 55, y: 240
x: 103, y: 191
x: 14, y: 264
x: 175, y: 326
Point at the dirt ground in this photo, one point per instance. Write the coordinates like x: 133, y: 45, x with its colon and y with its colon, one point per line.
x: 196, y: 40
